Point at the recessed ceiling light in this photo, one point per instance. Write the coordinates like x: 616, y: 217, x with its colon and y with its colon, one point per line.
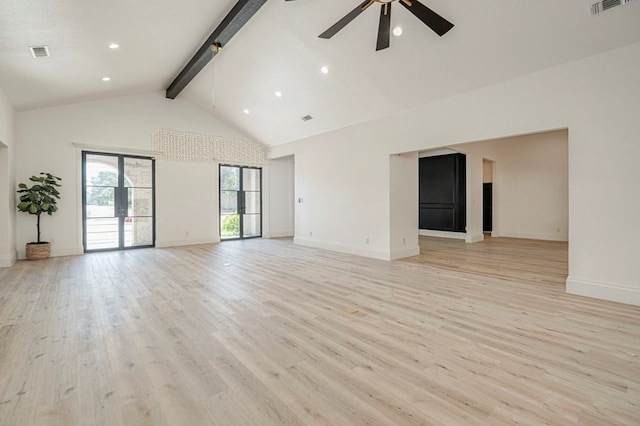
x: 114, y: 46
x: 278, y: 94
x: 106, y: 78
x: 246, y: 111
x: 324, y: 69
x: 397, y: 31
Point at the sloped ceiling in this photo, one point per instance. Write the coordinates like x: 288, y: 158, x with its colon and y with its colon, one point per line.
x: 278, y: 50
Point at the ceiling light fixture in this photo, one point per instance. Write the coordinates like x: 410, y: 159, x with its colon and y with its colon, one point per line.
x: 397, y: 31
x: 324, y: 69
x: 246, y: 111
x: 278, y: 94
x: 106, y: 78
x: 114, y: 46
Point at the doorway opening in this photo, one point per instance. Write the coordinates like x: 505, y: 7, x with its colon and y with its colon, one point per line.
x: 118, y: 200
x: 487, y: 196
x: 240, y: 202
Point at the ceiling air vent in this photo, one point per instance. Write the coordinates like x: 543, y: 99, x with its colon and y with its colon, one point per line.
x: 39, y: 51
x: 605, y: 5
x: 307, y: 118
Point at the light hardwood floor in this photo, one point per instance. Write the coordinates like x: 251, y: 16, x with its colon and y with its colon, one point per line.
x: 261, y: 332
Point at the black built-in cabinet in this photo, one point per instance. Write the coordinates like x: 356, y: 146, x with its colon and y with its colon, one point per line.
x: 443, y: 193
x: 487, y: 207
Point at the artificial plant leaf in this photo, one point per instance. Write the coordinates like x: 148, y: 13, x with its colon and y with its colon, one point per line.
x: 22, y: 185
x: 23, y: 206
x: 33, y: 209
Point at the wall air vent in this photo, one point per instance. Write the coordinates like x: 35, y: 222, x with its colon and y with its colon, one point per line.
x: 39, y: 51
x: 605, y: 5
x: 307, y: 118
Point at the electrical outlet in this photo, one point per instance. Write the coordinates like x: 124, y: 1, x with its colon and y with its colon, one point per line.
x: 310, y: 234
x: 366, y: 240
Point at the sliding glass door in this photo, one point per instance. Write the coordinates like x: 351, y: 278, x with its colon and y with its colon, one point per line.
x: 240, y: 202
x: 118, y: 201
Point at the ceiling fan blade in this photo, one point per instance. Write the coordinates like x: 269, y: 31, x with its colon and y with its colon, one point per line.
x: 384, y: 29
x: 333, y: 30
x: 431, y: 19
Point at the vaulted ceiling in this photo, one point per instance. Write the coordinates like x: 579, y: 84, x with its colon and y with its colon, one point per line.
x: 279, y: 50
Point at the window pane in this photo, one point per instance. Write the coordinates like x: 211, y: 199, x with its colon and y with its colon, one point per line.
x: 251, y: 225
x: 251, y: 179
x: 102, y: 233
x: 138, y: 172
x: 229, y: 226
x: 138, y: 231
x: 101, y: 170
x: 140, y: 202
x: 252, y: 202
x: 228, y: 202
x: 100, y: 201
x: 229, y: 178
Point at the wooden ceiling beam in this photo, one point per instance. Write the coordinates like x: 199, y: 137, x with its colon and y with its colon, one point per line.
x: 230, y: 25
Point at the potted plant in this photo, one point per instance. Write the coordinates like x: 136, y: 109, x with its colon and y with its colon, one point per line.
x: 40, y: 198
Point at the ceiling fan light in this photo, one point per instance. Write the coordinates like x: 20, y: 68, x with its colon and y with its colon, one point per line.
x: 397, y: 31
x: 324, y: 69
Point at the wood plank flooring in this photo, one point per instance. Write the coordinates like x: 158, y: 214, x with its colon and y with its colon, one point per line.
x: 536, y: 261
x: 260, y: 332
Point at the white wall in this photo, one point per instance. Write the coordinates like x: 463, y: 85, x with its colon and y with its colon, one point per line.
x: 586, y: 96
x: 487, y: 171
x: 278, y: 198
x: 344, y: 187
x: 7, y: 183
x: 45, y: 138
x: 531, y: 194
x: 533, y: 180
x: 403, y: 190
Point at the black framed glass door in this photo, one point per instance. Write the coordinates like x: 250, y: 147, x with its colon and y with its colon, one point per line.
x: 118, y: 201
x: 240, y: 202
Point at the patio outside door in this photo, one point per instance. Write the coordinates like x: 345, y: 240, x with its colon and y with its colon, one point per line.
x: 118, y: 201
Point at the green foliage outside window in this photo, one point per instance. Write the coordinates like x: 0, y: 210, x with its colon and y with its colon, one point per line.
x: 230, y: 226
x: 101, y: 190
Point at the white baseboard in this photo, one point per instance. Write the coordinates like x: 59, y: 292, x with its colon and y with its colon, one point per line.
x: 340, y: 248
x: 7, y: 261
x: 473, y: 238
x: 547, y: 237
x: 278, y: 235
x: 469, y: 238
x: 190, y: 242
x: 442, y: 234
x: 604, y: 291
x: 399, y: 253
x: 75, y: 251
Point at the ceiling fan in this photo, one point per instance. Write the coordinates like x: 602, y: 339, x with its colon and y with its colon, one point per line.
x: 430, y: 18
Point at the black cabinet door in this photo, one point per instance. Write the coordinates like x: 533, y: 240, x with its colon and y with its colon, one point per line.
x: 442, y: 188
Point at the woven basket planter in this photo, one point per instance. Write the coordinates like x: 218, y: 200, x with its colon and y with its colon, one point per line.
x: 38, y: 251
